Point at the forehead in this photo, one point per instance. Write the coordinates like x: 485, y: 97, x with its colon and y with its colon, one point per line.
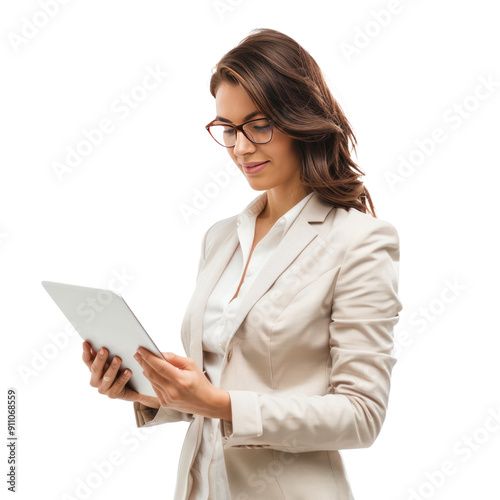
x: 233, y: 102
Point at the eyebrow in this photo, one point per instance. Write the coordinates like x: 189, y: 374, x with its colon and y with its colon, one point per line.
x: 248, y: 117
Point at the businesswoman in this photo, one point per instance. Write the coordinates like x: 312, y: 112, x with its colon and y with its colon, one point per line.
x: 289, y: 332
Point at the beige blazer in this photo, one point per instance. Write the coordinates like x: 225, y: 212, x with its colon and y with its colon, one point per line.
x: 308, y: 368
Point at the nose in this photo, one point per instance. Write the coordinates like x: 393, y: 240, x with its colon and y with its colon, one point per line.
x: 243, y: 145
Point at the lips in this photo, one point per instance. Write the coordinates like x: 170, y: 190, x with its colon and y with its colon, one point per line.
x: 253, y: 164
x: 257, y: 167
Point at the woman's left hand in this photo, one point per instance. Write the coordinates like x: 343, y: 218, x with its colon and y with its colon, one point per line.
x: 181, y: 385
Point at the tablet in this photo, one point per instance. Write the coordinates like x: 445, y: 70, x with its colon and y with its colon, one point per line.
x: 103, y: 318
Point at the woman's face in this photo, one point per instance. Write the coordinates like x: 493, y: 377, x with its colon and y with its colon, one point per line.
x: 282, y: 170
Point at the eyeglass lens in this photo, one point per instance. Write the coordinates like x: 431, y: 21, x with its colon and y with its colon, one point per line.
x: 259, y: 132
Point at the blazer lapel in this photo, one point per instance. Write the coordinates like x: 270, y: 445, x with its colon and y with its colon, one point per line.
x: 299, y: 235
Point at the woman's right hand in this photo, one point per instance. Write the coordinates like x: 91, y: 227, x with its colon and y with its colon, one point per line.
x: 115, y: 387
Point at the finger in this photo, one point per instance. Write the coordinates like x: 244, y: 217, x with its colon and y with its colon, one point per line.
x: 88, y: 344
x: 111, y: 374
x: 151, y: 363
x: 87, y: 356
x: 97, y: 368
x: 118, y: 388
x: 160, y: 383
x: 93, y: 352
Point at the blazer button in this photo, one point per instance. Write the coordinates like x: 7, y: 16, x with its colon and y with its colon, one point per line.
x: 229, y: 355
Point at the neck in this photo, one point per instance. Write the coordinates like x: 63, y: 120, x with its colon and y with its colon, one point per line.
x: 280, y: 202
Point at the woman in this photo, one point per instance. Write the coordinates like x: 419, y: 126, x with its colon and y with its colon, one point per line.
x: 289, y: 332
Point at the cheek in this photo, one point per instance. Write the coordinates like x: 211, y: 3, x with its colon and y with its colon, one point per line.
x: 283, y: 148
x: 285, y: 158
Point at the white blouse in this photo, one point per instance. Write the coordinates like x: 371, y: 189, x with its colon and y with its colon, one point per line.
x: 208, y: 470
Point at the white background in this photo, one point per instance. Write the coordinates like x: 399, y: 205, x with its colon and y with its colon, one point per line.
x: 397, y: 75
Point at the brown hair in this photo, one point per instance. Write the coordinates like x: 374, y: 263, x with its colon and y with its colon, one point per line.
x: 287, y: 85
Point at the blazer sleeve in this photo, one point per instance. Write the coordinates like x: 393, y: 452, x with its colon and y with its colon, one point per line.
x: 364, y: 312
x: 146, y: 416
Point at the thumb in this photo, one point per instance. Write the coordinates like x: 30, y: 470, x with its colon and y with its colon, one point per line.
x: 176, y: 360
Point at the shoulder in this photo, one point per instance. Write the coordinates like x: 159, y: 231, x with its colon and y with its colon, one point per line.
x: 354, y: 236
x: 222, y: 227
x: 218, y: 231
x: 357, y: 228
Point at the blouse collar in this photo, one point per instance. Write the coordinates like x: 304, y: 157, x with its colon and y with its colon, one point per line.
x: 255, y: 207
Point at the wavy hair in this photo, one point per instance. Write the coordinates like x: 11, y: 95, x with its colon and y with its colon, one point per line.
x: 287, y: 85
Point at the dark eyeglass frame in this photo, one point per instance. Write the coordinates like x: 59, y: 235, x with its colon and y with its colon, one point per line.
x: 240, y: 128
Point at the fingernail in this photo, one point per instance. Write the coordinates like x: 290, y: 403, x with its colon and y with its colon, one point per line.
x: 101, y: 350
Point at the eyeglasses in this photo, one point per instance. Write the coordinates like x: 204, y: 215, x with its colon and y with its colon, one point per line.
x: 258, y: 131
